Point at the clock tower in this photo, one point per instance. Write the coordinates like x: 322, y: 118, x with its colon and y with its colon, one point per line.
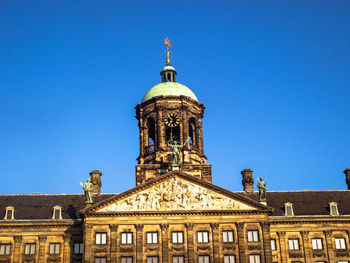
x: 170, y: 114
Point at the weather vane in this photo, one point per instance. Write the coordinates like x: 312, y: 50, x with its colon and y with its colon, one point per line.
x: 167, y: 43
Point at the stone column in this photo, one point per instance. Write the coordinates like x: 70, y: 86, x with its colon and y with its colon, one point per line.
x: 283, y: 249
x: 306, y: 245
x: 165, y: 242
x: 88, y: 243
x: 199, y: 135
x: 139, y: 243
x: 159, y: 130
x: 114, y: 239
x: 17, y: 249
x: 42, y: 245
x: 216, y: 242
x: 141, y: 133
x: 66, y: 248
x: 241, y: 243
x: 266, y: 241
x: 190, y: 242
x: 329, y: 243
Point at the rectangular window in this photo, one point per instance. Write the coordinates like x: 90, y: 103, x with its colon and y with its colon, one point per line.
x: 229, y: 259
x: 202, y: 236
x: 5, y: 249
x: 127, y: 238
x: 55, y: 248
x: 9, y: 214
x: 100, y: 260
x: 253, y: 235
x: 152, y: 259
x: 254, y: 259
x: 293, y: 244
x: 273, y: 244
x: 340, y: 243
x: 289, y: 210
x: 126, y: 259
x: 78, y: 248
x: 57, y: 214
x: 29, y: 249
x: 317, y: 243
x: 177, y: 237
x: 227, y: 236
x: 152, y: 237
x: 178, y: 259
x: 203, y: 259
x: 101, y: 238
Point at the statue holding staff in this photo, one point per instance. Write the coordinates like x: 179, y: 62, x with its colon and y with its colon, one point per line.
x: 262, y: 190
x: 176, y: 148
x: 88, y: 191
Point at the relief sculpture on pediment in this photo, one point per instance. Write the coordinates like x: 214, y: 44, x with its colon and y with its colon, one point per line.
x: 175, y: 194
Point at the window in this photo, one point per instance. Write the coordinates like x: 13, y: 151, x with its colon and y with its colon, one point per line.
x: 152, y: 238
x: 202, y: 236
x: 152, y: 259
x: 253, y: 235
x: 101, y: 238
x: 288, y: 209
x: 55, y: 248
x: 340, y: 243
x: 333, y: 209
x: 78, y: 248
x: 127, y: 238
x: 57, y: 212
x: 203, y: 259
x: 9, y: 214
x: 254, y: 259
x: 229, y: 259
x: 29, y: 249
x: 227, y: 236
x: 343, y: 262
x: 317, y: 243
x: 126, y: 259
x: 178, y: 259
x: 5, y: 249
x: 273, y: 244
x: 293, y: 244
x: 177, y: 237
x: 100, y: 260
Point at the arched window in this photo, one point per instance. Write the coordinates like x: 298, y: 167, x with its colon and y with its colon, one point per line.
x: 192, y: 131
x: 151, y: 132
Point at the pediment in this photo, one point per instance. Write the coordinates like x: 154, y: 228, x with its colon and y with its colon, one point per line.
x: 176, y: 191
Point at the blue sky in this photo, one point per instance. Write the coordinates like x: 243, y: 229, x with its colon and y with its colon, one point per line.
x: 274, y: 76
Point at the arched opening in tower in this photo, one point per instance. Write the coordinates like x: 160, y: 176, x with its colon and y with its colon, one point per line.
x: 172, y: 134
x: 192, y: 131
x: 151, y: 133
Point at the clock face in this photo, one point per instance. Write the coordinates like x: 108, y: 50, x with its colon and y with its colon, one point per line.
x: 172, y: 120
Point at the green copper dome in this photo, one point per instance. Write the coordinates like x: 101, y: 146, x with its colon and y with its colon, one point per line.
x: 169, y: 89
x: 168, y: 67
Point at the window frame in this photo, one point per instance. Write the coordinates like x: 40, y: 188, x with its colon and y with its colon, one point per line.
x: 226, y: 233
x: 126, y: 236
x: 6, y: 248
x: 251, y: 237
x: 335, y: 206
x: 339, y: 245
x: 229, y: 256
x: 295, y: 243
x: 55, y: 245
x: 150, y: 236
x: 254, y: 258
x: 316, y: 243
x: 100, y: 259
x: 80, y: 246
x: 152, y: 258
x: 126, y: 259
x: 286, y: 211
x: 202, y: 259
x: 178, y: 257
x: 99, y: 238
x: 177, y: 234
x: 7, y: 210
x: 28, y: 247
x: 201, y: 236
x: 274, y: 246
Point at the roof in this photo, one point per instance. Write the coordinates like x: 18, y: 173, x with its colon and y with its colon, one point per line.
x: 169, y: 89
x: 305, y: 203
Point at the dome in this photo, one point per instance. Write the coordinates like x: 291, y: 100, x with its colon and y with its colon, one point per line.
x: 169, y: 89
x: 168, y: 67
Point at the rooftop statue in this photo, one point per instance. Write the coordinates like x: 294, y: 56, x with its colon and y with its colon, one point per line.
x: 176, y: 148
x: 88, y: 191
x: 262, y: 190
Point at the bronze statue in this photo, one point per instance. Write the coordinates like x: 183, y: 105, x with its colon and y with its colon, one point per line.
x: 88, y: 191
x: 176, y: 152
x: 262, y: 190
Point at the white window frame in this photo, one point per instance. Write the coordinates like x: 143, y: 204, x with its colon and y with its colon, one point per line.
x: 273, y: 244
x: 55, y: 248
x: 100, y: 260
x: 229, y: 259
x: 29, y: 248
x: 293, y: 244
x: 203, y: 259
x: 7, y: 209
x: 5, y: 249
x: 59, y: 209
x: 177, y: 237
x: 78, y: 248
x: 100, y: 238
x: 127, y: 259
x: 202, y: 236
x: 286, y: 211
x: 335, y: 206
x: 317, y: 243
x: 254, y: 259
x: 178, y: 259
x: 228, y: 236
x: 340, y: 243
x: 253, y: 235
x: 152, y: 259
x: 152, y: 237
x: 126, y: 238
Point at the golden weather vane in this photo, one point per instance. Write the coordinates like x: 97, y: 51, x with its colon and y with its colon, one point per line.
x: 167, y: 43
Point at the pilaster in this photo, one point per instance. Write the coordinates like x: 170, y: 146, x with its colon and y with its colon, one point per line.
x: 88, y: 239
x: 241, y: 243
x: 190, y: 242
x: 139, y: 243
x: 165, y: 240
x: 330, y: 252
x: 42, y: 245
x: 114, y: 242
x: 266, y: 241
x: 306, y: 245
x: 17, y: 248
x: 283, y: 248
x: 66, y: 248
x: 216, y: 242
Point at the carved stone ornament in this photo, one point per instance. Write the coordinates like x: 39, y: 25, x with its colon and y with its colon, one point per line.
x: 113, y: 228
x: 240, y: 226
x: 176, y: 194
x: 203, y: 248
x: 189, y: 226
x: 164, y: 227
x: 257, y: 247
x: 138, y: 227
x: 42, y: 238
x: 215, y: 225
x: 17, y: 239
x: 126, y: 249
x: 282, y: 234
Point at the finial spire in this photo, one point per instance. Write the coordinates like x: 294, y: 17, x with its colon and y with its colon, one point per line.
x: 167, y: 43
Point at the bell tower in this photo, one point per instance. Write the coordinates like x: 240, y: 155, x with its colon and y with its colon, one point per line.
x: 170, y: 129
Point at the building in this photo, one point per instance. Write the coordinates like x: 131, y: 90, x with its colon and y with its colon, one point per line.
x: 175, y: 214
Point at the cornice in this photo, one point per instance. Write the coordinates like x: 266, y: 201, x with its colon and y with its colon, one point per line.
x: 308, y: 220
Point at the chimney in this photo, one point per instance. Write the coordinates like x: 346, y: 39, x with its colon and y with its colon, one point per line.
x: 96, y: 181
x: 347, y: 174
x: 247, y: 180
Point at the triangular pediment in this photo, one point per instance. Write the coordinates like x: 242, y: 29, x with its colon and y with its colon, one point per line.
x: 176, y: 191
